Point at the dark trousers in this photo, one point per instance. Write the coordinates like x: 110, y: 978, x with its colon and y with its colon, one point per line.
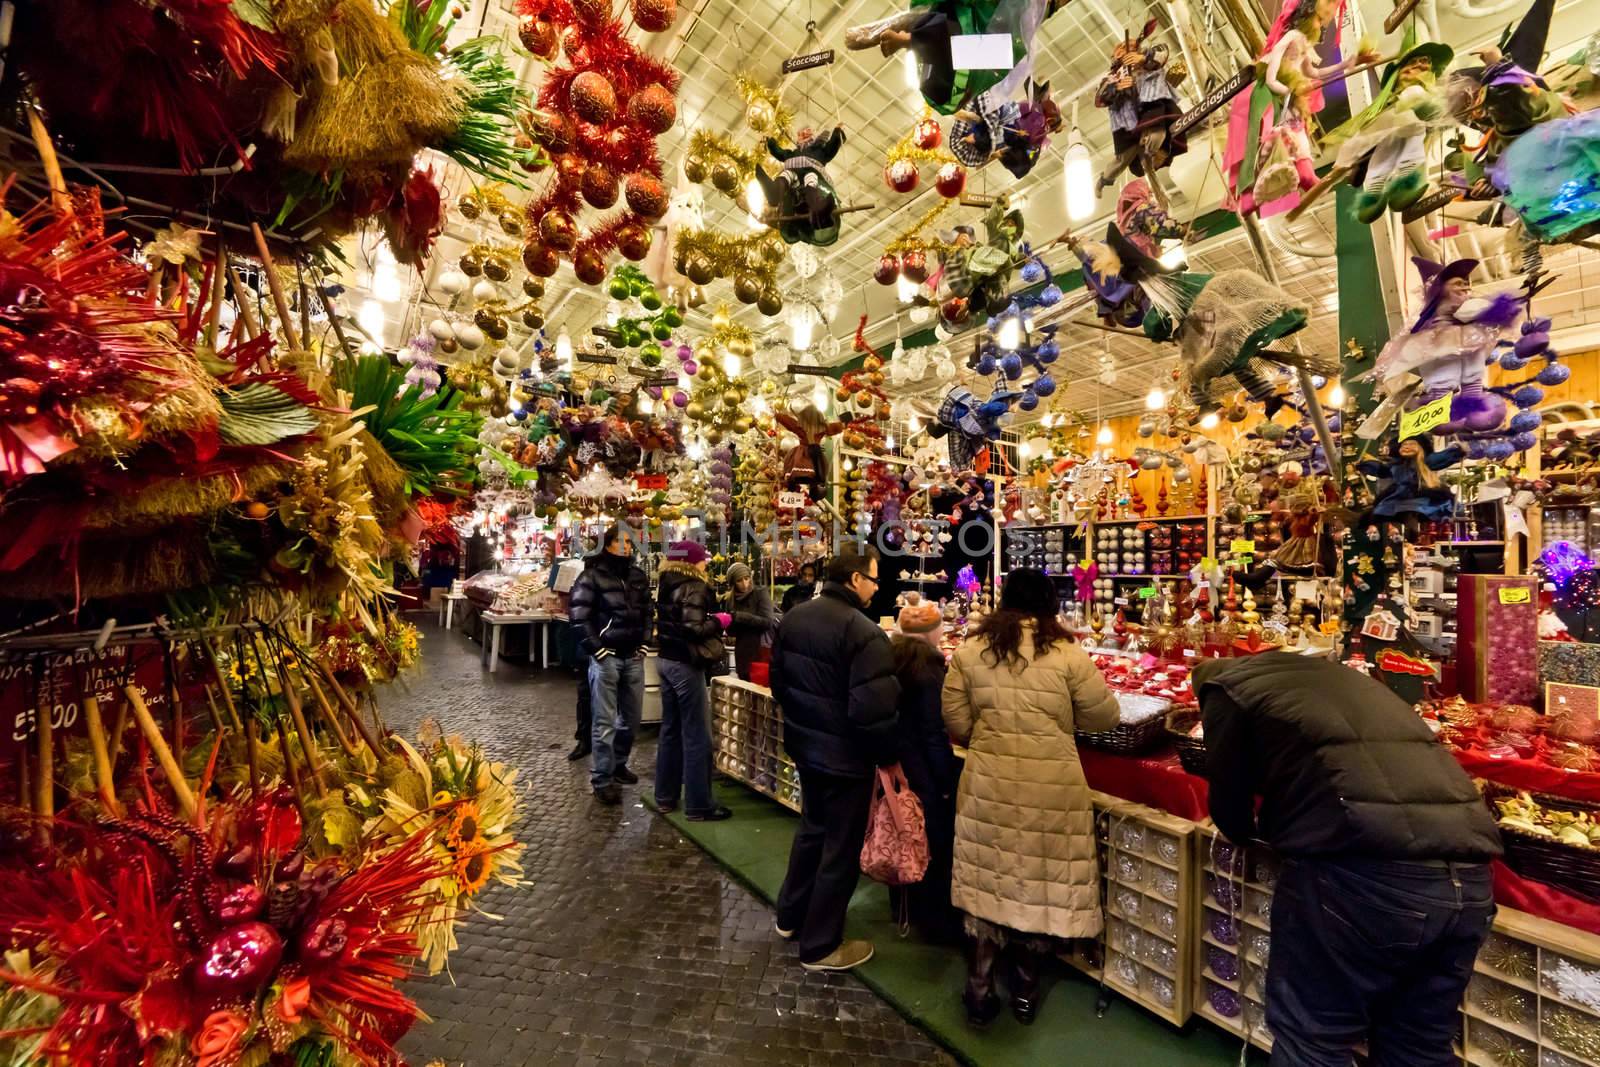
x: 825, y: 862
x: 585, y: 734
x: 1376, y: 951
x: 683, y: 751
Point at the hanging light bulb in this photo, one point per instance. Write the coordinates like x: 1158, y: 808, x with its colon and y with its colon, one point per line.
x: 819, y: 398
x: 907, y: 289
x: 1104, y: 436
x: 759, y: 406
x: 1024, y: 449
x: 730, y: 364
x: 696, y: 450
x: 1009, y: 336
x: 1173, y: 257
x: 1336, y: 395
x: 755, y: 201
x: 1079, y: 174
x: 646, y: 404
x: 1155, y: 400
x: 913, y: 80
x: 1209, y: 420
x: 370, y: 319
x: 847, y: 465
x: 912, y: 425
x: 889, y: 442
x: 564, y: 349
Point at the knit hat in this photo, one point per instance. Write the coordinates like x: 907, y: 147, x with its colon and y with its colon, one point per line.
x: 921, y: 618
x: 738, y: 572
x: 690, y: 552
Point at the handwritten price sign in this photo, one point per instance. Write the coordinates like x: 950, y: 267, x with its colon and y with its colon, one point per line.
x: 61, y: 681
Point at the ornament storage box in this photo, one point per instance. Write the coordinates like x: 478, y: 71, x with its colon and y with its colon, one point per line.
x: 1497, y: 628
x: 1573, y: 662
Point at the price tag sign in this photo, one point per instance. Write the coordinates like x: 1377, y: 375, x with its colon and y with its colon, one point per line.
x: 1147, y: 592
x: 1243, y: 546
x: 1209, y: 563
x: 1519, y: 595
x: 1421, y: 420
x: 1121, y: 601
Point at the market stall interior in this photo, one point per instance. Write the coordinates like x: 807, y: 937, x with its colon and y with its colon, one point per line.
x: 328, y: 327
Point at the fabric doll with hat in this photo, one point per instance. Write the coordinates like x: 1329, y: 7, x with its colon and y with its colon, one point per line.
x: 1383, y: 150
x: 1505, y: 97
x: 1411, y: 479
x: 971, y: 423
x: 1449, y: 346
x: 1139, y: 94
x: 802, y: 464
x: 803, y: 194
x: 979, y: 275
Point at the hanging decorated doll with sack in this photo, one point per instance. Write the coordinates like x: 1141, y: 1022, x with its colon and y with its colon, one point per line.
x: 927, y: 29
x: 1139, y: 92
x: 802, y: 195
x: 1270, y: 157
x: 978, y: 276
x: 802, y: 464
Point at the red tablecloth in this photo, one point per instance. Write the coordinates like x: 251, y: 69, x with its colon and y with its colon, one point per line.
x: 1534, y: 776
x: 1157, y: 781
x: 1514, y: 891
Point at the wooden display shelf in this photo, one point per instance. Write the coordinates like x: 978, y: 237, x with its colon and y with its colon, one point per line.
x: 747, y: 740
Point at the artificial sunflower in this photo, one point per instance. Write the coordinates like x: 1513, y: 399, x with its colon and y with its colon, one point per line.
x: 474, y: 867
x: 465, y: 829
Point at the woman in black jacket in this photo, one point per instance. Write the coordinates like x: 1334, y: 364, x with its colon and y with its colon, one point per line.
x: 930, y: 767
x: 751, y: 608
x: 689, y: 638
x: 803, y: 589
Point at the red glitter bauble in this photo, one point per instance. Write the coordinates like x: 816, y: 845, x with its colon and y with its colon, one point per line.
x: 557, y: 230
x: 653, y: 109
x: 647, y: 196
x: 926, y: 134
x: 951, y: 179
x: 571, y: 167
x: 914, y: 265
x: 539, y: 37
x: 901, y: 176
x: 654, y: 16
x: 540, y: 259
x: 599, y: 186
x: 888, y: 270
x: 954, y: 310
x: 589, y: 266
x: 239, y: 960
x: 592, y: 12
x: 633, y: 241
x: 592, y: 98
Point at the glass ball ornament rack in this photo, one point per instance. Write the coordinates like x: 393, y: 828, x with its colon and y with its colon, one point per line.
x: 747, y: 740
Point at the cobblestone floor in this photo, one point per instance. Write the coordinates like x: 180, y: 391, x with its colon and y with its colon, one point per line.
x: 630, y: 945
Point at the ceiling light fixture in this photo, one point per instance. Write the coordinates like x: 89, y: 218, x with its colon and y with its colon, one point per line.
x: 1155, y: 400
x: 1079, y: 174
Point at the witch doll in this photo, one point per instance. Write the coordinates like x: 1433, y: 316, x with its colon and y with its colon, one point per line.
x: 1139, y: 93
x: 802, y: 194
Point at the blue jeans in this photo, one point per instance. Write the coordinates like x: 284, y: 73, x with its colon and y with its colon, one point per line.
x: 683, y: 751
x: 616, y: 693
x: 1376, y: 951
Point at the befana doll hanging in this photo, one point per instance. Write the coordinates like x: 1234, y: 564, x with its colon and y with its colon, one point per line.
x: 1270, y: 158
x: 927, y: 29
x: 1139, y: 93
x: 802, y: 195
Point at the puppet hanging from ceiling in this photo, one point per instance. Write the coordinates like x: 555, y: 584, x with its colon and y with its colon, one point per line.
x: 1538, y: 154
x: 1140, y: 94
x: 1270, y: 156
x: 803, y: 205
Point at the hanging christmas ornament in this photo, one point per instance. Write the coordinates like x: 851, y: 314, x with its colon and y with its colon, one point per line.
x: 569, y: 170
x: 926, y: 134
x: 888, y: 270
x: 599, y: 186
x: 901, y: 176
x: 532, y: 287
x: 805, y: 261
x: 746, y: 288
x: 633, y: 241
x: 469, y: 336
x: 697, y: 267
x: 493, y: 326
x: 453, y: 282
x: 470, y: 206
x: 471, y: 265
x: 593, y: 98
x: 647, y: 196
x: 533, y: 316
x: 496, y: 269
x: 593, y: 13
x: 550, y: 130
x: 557, y: 230
x: 914, y: 265
x: 725, y: 176
x: 951, y: 180
x: 654, y: 16
x: 652, y: 108
x: 696, y: 169
x: 589, y: 265
x: 770, y: 302
x: 484, y: 292
x: 540, y: 259
x: 539, y: 37
x: 758, y: 116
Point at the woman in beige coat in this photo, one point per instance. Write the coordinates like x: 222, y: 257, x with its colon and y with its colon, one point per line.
x: 1026, y: 868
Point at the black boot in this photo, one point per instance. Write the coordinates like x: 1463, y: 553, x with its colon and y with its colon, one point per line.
x: 1025, y: 983
x: 979, y: 998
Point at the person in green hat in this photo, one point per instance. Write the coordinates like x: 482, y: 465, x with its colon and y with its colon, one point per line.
x: 1383, y: 150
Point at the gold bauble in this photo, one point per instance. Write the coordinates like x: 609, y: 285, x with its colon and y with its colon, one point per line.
x: 496, y: 269
x: 706, y: 371
x: 725, y: 176
x: 471, y: 264
x: 876, y: 377
x: 841, y: 394
x: 697, y: 267
x: 773, y: 247
x: 447, y: 345
x: 769, y: 387
x: 491, y: 324
x: 713, y: 436
x: 511, y: 222
x: 731, y: 398
x: 532, y: 287
x: 747, y: 288
x: 695, y: 410
x: 742, y: 424
x: 696, y: 296
x: 864, y: 399
x: 770, y: 302
x: 470, y: 206
x: 533, y: 317
x: 695, y: 169
x: 759, y: 115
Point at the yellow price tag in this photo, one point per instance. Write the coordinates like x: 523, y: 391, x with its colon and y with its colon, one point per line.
x: 1518, y: 595
x: 1209, y: 563
x: 1425, y: 418
x: 1242, y: 546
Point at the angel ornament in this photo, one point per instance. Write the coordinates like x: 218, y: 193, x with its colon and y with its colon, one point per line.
x: 1139, y: 92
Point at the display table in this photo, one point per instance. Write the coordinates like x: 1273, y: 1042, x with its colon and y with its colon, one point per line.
x: 747, y: 740
x: 447, y: 608
x: 495, y: 623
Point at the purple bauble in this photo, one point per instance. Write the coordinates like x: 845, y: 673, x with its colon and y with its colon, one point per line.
x: 986, y: 364
x: 1532, y: 344
x: 1476, y: 449
x: 1512, y: 361
x: 1527, y: 396
x: 680, y: 399
x: 1032, y: 271
x: 1048, y: 352
x: 1525, y: 421
x: 1521, y: 442
x: 1498, y: 450
x: 1012, y: 365
x: 1555, y: 374
x: 691, y: 368
x: 654, y: 391
x: 1045, y: 385
x: 1536, y: 326
x: 1224, y: 1000
x: 1050, y: 295
x: 1223, y: 964
x: 1335, y: 420
x: 241, y: 959
x: 1028, y: 402
x: 1223, y: 929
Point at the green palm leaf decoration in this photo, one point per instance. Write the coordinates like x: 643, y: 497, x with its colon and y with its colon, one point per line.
x: 259, y: 413
x: 431, y: 440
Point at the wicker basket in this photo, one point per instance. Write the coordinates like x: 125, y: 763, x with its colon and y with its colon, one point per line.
x: 1568, y: 868
x: 1132, y: 739
x: 1191, y: 750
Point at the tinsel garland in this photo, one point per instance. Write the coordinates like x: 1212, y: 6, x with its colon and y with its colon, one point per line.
x: 712, y: 146
x: 728, y: 255
x: 914, y: 239
x: 905, y: 150
x: 773, y: 119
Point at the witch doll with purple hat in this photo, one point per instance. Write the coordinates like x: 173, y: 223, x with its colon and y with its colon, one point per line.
x: 1450, y: 345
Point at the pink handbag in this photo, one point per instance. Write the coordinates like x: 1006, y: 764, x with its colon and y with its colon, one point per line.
x: 896, y: 849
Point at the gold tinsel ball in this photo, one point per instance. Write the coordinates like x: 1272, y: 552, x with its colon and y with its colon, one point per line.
x: 471, y: 265
x: 494, y: 326
x: 533, y: 317
x: 697, y: 267
x: 696, y: 411
x: 695, y: 169
x: 510, y: 223
x: 747, y: 287
x: 725, y: 176
x: 496, y: 269
x: 759, y: 115
x: 470, y: 206
x: 593, y: 98
x: 652, y: 109
x: 770, y: 302
x: 532, y: 287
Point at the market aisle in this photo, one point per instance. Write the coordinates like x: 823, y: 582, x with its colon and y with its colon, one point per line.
x: 629, y: 945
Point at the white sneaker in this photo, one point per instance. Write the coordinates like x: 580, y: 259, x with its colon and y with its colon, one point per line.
x: 787, y: 935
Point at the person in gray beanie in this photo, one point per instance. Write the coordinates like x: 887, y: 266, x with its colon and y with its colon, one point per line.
x: 751, y: 609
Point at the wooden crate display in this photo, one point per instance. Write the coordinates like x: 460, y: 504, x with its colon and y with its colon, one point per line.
x: 1233, y: 936
x: 747, y: 740
x: 1148, y: 880
x: 1534, y: 996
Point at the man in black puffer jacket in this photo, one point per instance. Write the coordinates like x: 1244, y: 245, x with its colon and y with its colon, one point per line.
x: 610, y: 613
x: 833, y: 677
x: 1385, y: 895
